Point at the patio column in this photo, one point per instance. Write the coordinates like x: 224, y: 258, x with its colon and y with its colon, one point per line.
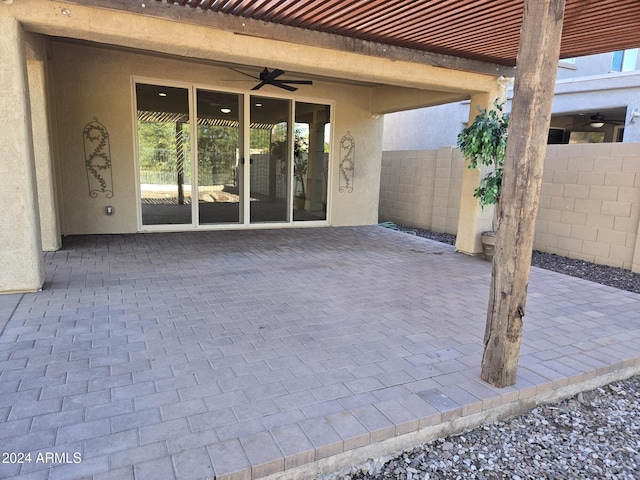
x: 45, y: 176
x: 21, y: 263
x: 473, y: 219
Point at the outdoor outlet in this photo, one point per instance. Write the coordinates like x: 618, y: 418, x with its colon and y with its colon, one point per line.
x: 109, y: 210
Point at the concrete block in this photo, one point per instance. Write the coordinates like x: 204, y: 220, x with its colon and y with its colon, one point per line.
x: 574, y: 218
x: 631, y: 164
x: 591, y: 178
x: 624, y: 149
x: 605, y: 222
x: 562, y: 203
x: 607, y: 164
x: 567, y: 244
x: 611, y: 238
x: 595, y: 249
x: 618, y: 179
x: 631, y: 195
x: 565, y: 177
x: 559, y: 229
x: 545, y: 240
x: 616, y: 209
x: 581, y: 232
x: 581, y: 164
x: 576, y: 191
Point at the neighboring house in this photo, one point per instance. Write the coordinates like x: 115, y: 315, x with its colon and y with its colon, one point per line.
x: 595, y: 100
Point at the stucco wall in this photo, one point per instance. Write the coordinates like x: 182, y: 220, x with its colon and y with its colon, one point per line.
x: 589, y: 204
x: 92, y: 82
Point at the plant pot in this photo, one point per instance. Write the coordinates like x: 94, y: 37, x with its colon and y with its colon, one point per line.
x: 299, y: 202
x: 488, y: 240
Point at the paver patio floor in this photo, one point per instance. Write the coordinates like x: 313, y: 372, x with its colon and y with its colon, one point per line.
x: 239, y: 354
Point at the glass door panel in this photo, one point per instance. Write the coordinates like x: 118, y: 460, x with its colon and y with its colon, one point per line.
x: 164, y: 154
x: 310, y: 161
x: 219, y: 153
x: 269, y: 160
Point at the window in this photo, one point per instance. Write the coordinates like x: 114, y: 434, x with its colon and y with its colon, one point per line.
x: 624, y: 60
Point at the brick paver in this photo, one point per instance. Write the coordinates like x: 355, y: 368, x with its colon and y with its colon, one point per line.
x: 240, y: 354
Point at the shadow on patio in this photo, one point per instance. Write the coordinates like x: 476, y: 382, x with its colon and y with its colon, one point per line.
x: 285, y: 352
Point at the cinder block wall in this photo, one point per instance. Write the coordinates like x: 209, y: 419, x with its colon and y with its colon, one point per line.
x: 589, y: 204
x: 421, y: 188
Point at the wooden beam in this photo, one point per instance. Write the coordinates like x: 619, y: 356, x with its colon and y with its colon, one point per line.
x: 522, y: 179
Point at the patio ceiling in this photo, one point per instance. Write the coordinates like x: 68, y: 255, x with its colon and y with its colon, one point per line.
x: 481, y: 30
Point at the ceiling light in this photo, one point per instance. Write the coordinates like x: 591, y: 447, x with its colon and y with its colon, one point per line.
x: 258, y: 104
x: 225, y: 110
x: 597, y: 124
x: 162, y: 94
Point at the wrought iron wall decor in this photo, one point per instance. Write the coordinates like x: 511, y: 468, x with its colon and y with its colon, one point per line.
x: 97, y: 158
x: 347, y: 163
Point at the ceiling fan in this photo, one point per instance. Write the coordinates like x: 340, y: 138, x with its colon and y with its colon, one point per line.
x: 272, y: 77
x: 598, y: 121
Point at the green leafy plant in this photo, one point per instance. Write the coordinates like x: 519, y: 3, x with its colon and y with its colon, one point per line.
x: 484, y: 143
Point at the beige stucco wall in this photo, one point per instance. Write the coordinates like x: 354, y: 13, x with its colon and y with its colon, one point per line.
x: 92, y: 82
x: 36, y: 46
x: 589, y: 204
x: 21, y: 264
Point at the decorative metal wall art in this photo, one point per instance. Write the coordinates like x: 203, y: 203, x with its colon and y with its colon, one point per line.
x: 97, y: 158
x: 347, y: 163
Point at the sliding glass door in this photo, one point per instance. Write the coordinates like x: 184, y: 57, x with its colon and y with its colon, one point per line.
x: 164, y: 154
x: 311, y: 161
x: 220, y: 169
x: 208, y: 157
x: 269, y: 160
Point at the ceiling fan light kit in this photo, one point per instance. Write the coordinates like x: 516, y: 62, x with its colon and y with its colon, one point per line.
x: 597, y: 120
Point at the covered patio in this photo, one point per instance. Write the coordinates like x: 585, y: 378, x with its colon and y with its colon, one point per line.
x: 290, y: 352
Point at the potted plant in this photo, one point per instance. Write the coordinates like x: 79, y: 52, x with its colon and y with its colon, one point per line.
x: 484, y: 143
x: 300, y: 166
x: 300, y: 172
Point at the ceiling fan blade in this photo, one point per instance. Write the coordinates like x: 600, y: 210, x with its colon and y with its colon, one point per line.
x: 260, y: 85
x: 298, y: 82
x: 279, y: 84
x: 243, y: 73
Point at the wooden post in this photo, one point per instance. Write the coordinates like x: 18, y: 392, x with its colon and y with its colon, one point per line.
x: 522, y: 179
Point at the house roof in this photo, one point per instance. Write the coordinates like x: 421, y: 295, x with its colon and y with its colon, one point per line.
x: 481, y: 30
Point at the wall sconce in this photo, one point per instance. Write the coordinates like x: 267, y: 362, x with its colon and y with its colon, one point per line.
x: 635, y: 113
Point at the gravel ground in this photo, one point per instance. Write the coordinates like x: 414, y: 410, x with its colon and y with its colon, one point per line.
x: 611, y: 276
x: 594, y: 435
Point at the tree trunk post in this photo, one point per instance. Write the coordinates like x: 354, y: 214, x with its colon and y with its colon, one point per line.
x: 522, y: 179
